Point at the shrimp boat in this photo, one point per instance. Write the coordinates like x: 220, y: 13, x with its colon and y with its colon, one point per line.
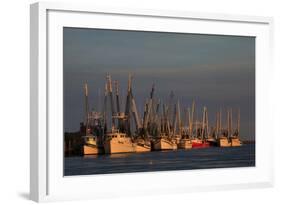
x: 222, y: 141
x: 158, y: 128
x: 91, y: 128
x: 200, y: 143
x: 90, y: 145
x: 235, y: 141
x: 185, y: 143
x: 186, y: 139
x: 142, y: 145
x: 220, y: 133
x: 182, y: 138
x: 227, y: 139
x: 164, y: 143
x: 117, y: 142
x: 92, y: 141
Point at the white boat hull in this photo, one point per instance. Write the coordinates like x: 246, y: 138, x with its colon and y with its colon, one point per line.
x: 116, y: 145
x: 235, y: 142
x: 185, y: 144
x: 164, y: 144
x: 88, y: 150
x: 223, y: 142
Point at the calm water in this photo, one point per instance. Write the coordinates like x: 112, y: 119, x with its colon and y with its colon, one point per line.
x: 213, y: 157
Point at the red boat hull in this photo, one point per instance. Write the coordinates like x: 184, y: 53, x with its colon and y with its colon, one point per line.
x: 200, y: 144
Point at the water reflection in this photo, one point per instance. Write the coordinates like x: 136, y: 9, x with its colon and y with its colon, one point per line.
x: 120, y: 155
x: 213, y: 157
x: 94, y: 156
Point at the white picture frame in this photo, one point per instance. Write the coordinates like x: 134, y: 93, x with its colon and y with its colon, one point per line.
x: 47, y: 182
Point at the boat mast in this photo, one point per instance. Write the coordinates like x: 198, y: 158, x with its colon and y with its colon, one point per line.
x: 155, y: 130
x: 117, y: 96
x: 149, y: 108
x: 217, y: 124
x: 170, y: 107
x: 191, y: 121
x: 230, y: 122
x: 163, y: 120
x: 144, y: 115
x: 175, y: 119
x: 86, y: 120
x: 220, y: 121
x: 179, y: 118
x: 203, y: 124
x: 105, y: 109
x: 118, y: 114
x: 167, y: 120
x: 128, y: 107
x: 86, y: 101
x: 135, y: 111
x: 238, y: 123
x: 158, y: 122
x: 111, y: 101
x: 188, y: 119
x: 207, y: 122
x: 157, y: 109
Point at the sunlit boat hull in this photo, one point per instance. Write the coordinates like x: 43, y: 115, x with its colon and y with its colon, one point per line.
x: 185, y: 144
x: 235, y: 142
x: 119, y: 145
x: 164, y: 144
x: 88, y: 150
x: 223, y: 142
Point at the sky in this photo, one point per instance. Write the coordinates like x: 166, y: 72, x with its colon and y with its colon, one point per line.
x: 214, y: 70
